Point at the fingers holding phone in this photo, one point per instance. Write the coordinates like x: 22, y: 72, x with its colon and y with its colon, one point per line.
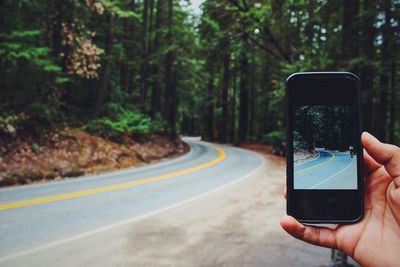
x: 388, y: 156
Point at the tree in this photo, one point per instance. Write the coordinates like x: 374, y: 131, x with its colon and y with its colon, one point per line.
x: 105, y: 78
x: 170, y: 90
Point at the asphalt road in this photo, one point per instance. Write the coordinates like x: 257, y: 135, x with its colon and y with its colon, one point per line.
x: 36, y: 217
x: 330, y: 170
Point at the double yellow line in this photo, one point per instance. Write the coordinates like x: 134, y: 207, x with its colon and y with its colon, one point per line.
x: 24, y: 203
x: 317, y: 165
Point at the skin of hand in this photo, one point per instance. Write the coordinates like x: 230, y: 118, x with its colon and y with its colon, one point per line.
x: 375, y: 240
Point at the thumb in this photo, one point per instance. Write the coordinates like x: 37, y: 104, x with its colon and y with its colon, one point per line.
x: 388, y: 155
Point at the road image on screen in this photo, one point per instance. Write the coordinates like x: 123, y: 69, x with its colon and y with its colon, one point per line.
x: 324, y: 147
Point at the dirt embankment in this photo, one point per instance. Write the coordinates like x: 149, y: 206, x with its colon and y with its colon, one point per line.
x: 304, y: 155
x: 56, y: 155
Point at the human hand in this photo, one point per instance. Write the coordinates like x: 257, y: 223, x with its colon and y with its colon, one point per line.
x: 375, y: 240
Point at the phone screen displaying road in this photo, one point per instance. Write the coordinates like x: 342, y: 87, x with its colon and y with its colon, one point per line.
x: 324, y: 147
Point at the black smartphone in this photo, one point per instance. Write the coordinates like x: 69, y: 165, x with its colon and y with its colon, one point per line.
x: 324, y: 151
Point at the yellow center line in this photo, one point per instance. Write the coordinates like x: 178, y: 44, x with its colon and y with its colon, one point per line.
x: 318, y: 165
x: 109, y: 188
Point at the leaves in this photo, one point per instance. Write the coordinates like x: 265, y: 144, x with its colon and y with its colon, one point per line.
x: 123, y: 121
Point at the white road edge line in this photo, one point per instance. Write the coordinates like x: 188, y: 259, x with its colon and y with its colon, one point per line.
x: 122, y: 223
x: 330, y: 177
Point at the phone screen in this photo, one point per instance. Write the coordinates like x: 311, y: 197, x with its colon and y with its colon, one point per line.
x: 324, y: 142
x: 324, y: 153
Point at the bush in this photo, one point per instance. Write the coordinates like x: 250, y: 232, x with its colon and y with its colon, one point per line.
x: 274, y: 137
x: 123, y: 122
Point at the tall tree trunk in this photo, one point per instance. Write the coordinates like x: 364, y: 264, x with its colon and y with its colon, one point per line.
x: 150, y: 51
x: 244, y: 90
x: 156, y: 87
x: 224, y: 100
x: 350, y: 38
x: 128, y: 37
x: 105, y: 78
x: 124, y: 60
x: 170, y: 95
x: 393, y: 103
x: 384, y: 75
x: 62, y: 45
x: 266, y: 116
x: 144, y: 65
x: 252, y: 98
x: 209, y: 118
x: 131, y: 71
x: 233, y: 102
x: 367, y: 39
x: 61, y: 27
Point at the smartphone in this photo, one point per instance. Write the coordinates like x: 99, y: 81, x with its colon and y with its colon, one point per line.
x: 324, y: 151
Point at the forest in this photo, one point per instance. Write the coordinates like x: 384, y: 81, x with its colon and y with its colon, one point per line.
x: 328, y: 127
x: 115, y: 67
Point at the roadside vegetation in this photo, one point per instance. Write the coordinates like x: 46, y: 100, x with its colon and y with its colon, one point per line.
x: 93, y: 85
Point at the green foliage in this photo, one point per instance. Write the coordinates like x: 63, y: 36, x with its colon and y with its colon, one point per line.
x: 273, y: 137
x: 117, y: 8
x: 35, y: 147
x: 20, y: 45
x: 41, y: 54
x: 210, y: 22
x: 122, y: 122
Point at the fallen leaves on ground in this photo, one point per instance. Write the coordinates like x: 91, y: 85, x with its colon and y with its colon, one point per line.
x: 74, y: 153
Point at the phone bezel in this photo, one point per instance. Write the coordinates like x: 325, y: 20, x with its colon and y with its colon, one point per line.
x: 294, y: 195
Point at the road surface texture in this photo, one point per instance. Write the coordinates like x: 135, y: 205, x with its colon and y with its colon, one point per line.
x: 216, y: 206
x: 330, y: 170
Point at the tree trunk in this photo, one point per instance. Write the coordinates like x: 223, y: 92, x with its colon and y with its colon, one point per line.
x: 209, y: 118
x: 170, y: 96
x: 393, y: 102
x: 105, y: 78
x: 62, y: 25
x: 144, y: 65
x: 128, y: 37
x: 266, y: 116
x: 367, y: 72
x: 384, y: 76
x: 233, y: 102
x: 150, y: 51
x: 131, y: 72
x: 244, y: 91
x: 350, y: 37
x: 224, y: 100
x: 124, y: 60
x: 252, y: 98
x: 156, y: 87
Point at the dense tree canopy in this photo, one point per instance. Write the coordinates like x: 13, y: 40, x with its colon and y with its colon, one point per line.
x: 143, y: 66
x: 329, y: 127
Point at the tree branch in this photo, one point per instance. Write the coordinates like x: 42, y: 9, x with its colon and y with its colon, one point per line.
x: 266, y: 30
x: 264, y: 47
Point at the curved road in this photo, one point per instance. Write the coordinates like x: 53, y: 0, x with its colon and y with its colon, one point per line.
x: 34, y: 216
x: 330, y: 170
